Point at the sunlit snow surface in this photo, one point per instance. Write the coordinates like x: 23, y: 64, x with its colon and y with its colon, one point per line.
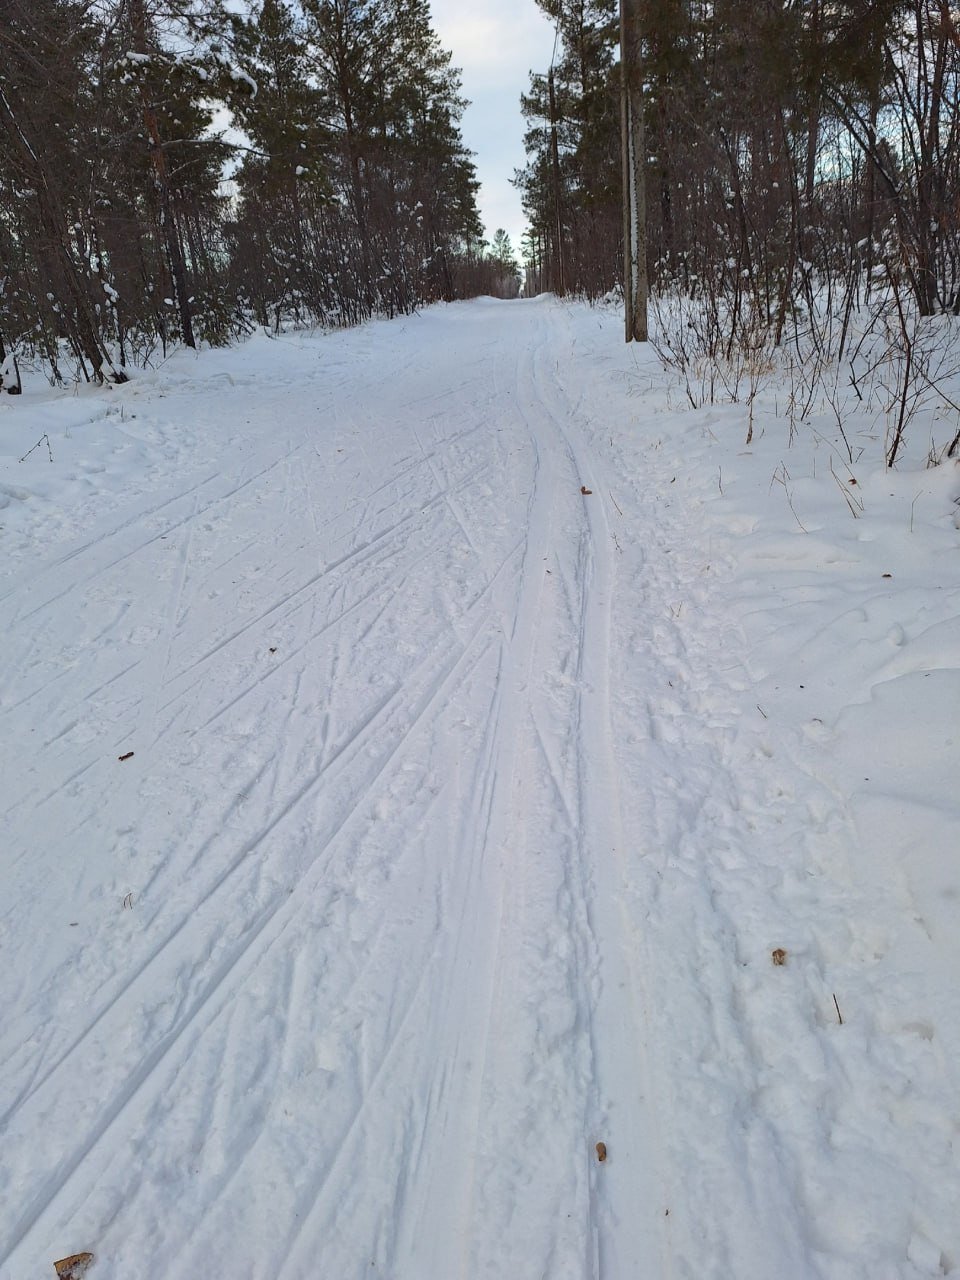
x: 465, y: 812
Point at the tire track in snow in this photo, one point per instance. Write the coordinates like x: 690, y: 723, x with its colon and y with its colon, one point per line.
x: 452, y: 1144
x: 449, y: 1193
x: 444, y: 487
x: 372, y: 728
x: 80, y: 549
x: 104, y: 544
x: 490, y: 1168
x: 628, y: 1222
x: 159, y: 673
x: 544, y: 907
x: 373, y: 723
x: 239, y: 959
x: 348, y: 561
x: 106, y: 540
x: 317, y: 634
x: 159, y: 662
x: 459, y: 1006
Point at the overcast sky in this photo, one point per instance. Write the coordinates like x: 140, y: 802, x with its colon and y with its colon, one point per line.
x: 496, y: 43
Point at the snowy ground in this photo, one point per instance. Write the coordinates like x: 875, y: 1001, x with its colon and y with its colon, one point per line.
x: 465, y: 812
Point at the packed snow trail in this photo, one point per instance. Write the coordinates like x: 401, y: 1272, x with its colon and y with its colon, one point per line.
x: 349, y: 1017
x: 444, y: 851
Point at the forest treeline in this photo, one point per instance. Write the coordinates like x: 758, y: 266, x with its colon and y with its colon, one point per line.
x: 132, y: 217
x: 802, y: 186
x: 781, y: 134
x: 802, y: 163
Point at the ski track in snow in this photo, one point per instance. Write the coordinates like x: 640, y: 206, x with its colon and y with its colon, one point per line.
x: 447, y: 850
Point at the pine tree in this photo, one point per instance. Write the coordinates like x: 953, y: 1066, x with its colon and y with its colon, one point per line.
x: 283, y: 183
x: 47, y: 53
x: 571, y: 186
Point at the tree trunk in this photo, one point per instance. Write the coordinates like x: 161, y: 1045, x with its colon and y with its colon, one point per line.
x: 927, y: 179
x: 560, y: 281
x: 168, y: 226
x: 61, y: 268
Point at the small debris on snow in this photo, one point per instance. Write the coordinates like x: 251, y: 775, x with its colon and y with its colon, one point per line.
x: 601, y: 1151
x: 778, y: 956
x: 126, y: 756
x: 585, y: 490
x: 74, y: 1267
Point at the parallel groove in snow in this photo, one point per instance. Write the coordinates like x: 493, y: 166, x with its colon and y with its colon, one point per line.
x: 453, y: 843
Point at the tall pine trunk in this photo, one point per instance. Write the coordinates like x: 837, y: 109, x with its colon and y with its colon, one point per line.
x: 168, y: 224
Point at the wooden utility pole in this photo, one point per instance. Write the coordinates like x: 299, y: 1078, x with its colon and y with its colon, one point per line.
x: 633, y: 144
x: 560, y: 283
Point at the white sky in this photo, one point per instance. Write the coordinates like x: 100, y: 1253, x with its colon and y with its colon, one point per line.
x: 496, y: 43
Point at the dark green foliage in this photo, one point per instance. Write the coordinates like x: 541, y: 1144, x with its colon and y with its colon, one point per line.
x: 130, y: 218
x: 788, y: 142
x: 576, y: 223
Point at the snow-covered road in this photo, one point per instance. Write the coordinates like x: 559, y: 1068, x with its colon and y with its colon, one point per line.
x: 446, y: 850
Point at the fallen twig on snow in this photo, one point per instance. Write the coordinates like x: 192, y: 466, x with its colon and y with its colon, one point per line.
x: 37, y: 446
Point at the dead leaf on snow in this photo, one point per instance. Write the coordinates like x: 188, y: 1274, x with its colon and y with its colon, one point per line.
x: 779, y: 956
x: 74, y: 1267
